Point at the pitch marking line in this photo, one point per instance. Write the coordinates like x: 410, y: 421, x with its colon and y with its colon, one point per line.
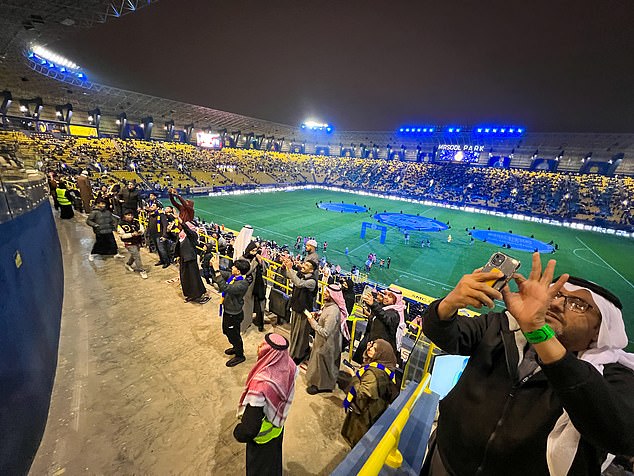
x: 605, y: 262
x: 574, y: 252
x: 363, y: 244
x: 242, y: 222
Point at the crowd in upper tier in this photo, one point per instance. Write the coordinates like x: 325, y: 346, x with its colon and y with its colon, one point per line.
x: 155, y: 165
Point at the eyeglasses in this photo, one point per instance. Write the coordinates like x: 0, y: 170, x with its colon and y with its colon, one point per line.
x: 573, y: 303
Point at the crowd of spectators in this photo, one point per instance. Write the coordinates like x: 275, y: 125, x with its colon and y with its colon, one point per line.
x: 156, y: 165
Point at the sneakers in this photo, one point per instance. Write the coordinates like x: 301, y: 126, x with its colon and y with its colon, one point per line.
x: 119, y: 255
x: 230, y: 351
x: 129, y: 268
x: 143, y: 274
x: 235, y: 361
x: 91, y: 258
x: 202, y: 300
x: 166, y: 265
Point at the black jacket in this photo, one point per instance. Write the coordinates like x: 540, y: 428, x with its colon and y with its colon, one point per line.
x: 493, y: 423
x: 383, y: 324
x: 131, y: 199
x: 186, y: 247
x: 127, y: 228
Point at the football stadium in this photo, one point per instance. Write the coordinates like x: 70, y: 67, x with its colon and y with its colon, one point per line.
x: 189, y: 290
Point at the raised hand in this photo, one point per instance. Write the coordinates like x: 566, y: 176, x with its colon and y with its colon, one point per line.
x: 471, y: 290
x: 215, y: 261
x: 530, y: 303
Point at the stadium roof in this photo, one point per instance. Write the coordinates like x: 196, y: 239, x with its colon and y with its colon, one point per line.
x: 25, y: 23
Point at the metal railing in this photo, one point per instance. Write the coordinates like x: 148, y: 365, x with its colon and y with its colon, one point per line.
x: 386, y: 451
x: 21, y: 191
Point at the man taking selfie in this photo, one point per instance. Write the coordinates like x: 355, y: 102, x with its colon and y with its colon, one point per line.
x: 548, y: 388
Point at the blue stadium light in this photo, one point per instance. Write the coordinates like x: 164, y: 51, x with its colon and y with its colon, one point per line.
x: 418, y: 130
x: 487, y: 130
x: 425, y: 129
x: 479, y: 130
x: 495, y: 131
x: 502, y: 131
x: 316, y: 126
x: 407, y: 130
x: 451, y: 129
x: 431, y: 130
x: 401, y: 129
x: 458, y: 129
x: 519, y: 131
x: 511, y: 131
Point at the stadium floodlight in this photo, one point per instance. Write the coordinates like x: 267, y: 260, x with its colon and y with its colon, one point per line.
x: 64, y: 112
x: 51, y: 57
x: 317, y: 126
x: 311, y: 124
x: 94, y: 117
x: 25, y: 107
x: 7, y: 99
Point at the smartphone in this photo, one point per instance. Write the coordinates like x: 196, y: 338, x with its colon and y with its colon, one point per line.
x: 367, y: 291
x: 504, y: 263
x: 307, y: 313
x: 348, y: 364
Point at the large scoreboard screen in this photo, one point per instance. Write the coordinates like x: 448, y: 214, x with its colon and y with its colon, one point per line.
x: 465, y: 153
x: 208, y: 140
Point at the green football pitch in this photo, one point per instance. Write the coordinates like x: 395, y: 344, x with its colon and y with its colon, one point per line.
x: 282, y: 216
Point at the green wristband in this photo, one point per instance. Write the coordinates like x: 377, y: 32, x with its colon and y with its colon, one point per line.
x: 542, y: 334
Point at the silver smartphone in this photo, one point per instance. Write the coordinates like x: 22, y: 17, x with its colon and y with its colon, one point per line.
x: 501, y: 262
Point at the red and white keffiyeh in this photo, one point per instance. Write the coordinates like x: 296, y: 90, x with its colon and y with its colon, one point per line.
x: 271, y: 382
x: 337, y: 296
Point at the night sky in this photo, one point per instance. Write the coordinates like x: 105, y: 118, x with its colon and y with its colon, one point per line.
x: 549, y: 65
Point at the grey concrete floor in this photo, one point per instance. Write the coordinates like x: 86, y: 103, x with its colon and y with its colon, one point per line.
x: 141, y: 385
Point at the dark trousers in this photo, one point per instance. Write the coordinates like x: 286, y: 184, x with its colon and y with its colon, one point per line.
x: 161, y: 249
x: 231, y: 328
x: 258, y: 320
x: 266, y: 459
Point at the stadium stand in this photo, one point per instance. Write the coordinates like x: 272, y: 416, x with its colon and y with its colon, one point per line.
x: 157, y: 165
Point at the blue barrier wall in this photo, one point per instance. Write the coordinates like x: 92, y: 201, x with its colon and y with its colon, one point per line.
x: 31, y: 294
